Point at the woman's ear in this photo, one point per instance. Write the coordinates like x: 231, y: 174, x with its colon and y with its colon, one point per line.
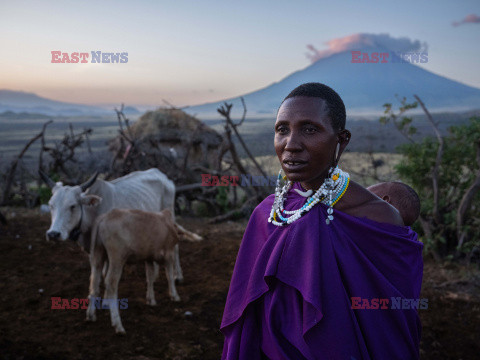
x: 344, y: 136
x: 343, y: 140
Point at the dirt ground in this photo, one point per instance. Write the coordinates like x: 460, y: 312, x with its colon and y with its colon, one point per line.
x: 33, y: 270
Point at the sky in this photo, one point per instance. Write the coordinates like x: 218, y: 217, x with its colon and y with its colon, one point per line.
x: 191, y: 52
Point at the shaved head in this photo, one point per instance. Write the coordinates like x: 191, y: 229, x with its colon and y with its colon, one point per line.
x: 401, y: 196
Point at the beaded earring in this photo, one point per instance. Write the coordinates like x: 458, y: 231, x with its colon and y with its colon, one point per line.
x: 329, y: 186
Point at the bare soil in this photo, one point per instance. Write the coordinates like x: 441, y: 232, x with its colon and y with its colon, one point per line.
x: 33, y: 270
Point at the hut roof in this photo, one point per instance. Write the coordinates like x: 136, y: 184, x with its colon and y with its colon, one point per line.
x: 174, y: 125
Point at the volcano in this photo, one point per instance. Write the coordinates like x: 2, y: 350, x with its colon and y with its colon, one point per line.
x: 364, y: 87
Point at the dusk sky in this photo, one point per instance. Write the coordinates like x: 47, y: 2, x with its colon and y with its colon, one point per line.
x: 190, y: 52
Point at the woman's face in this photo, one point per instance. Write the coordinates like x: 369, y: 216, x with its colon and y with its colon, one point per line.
x: 305, y: 140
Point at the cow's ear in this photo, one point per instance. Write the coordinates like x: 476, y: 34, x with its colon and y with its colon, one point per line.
x: 90, y: 200
x: 57, y: 186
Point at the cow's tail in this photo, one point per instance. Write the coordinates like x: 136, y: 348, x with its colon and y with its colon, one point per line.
x: 188, y: 235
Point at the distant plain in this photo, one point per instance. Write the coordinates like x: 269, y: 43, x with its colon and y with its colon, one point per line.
x: 368, y: 135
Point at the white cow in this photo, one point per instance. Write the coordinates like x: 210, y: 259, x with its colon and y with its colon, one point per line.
x: 74, y: 208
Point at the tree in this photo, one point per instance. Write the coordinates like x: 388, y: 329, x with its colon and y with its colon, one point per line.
x: 445, y: 171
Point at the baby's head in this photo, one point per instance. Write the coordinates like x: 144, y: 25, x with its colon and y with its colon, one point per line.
x: 401, y: 196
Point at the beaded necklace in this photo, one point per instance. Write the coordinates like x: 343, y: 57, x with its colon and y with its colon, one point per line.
x: 331, y: 191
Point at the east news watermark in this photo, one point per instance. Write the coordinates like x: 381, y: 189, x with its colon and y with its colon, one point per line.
x: 92, y: 57
x: 59, y: 303
x: 397, y: 57
x: 239, y: 180
x: 393, y: 303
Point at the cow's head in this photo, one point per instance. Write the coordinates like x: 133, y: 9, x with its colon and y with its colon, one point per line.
x: 67, y: 207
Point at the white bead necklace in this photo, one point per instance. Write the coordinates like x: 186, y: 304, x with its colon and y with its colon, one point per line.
x: 332, y: 189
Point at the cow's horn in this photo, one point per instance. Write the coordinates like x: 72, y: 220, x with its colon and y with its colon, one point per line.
x: 45, y: 178
x: 89, y: 182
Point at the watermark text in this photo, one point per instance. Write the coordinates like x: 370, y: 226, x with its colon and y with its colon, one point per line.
x: 99, y: 303
x: 394, y: 303
x: 97, y: 57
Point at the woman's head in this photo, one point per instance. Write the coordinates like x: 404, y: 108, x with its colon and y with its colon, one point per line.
x: 333, y: 101
x: 310, y: 133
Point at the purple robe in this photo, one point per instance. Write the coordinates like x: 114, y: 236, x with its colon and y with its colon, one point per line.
x: 291, y: 289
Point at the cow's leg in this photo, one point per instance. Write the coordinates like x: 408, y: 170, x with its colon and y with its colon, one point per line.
x: 151, y: 269
x: 178, y: 268
x: 169, y: 270
x: 97, y: 260
x: 114, y: 273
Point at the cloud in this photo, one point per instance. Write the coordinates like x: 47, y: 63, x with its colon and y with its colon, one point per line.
x: 362, y: 40
x: 469, y: 19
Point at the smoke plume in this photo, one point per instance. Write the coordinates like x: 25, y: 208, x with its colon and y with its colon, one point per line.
x: 362, y: 40
x: 469, y: 19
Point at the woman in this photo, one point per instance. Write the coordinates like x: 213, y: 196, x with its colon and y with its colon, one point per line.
x: 323, y: 263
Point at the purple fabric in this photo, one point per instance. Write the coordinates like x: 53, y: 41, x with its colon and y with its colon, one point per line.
x: 290, y: 293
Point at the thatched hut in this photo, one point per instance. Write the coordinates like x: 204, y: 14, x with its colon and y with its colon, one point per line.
x: 163, y: 138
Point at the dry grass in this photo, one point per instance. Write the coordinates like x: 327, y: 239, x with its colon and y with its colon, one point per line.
x: 358, y: 164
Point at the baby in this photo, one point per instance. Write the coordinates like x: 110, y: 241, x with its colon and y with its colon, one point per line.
x: 401, y: 196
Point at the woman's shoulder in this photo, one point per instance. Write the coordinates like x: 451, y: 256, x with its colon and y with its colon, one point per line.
x: 360, y: 202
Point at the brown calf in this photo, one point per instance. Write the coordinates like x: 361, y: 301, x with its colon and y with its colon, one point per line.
x: 125, y: 233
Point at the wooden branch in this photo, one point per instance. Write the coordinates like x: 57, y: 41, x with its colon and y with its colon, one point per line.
x: 403, y: 109
x: 226, y: 113
x: 64, y: 151
x: 27, y: 196
x: 244, y: 112
x: 189, y: 187
x: 247, y: 205
x: 466, y: 201
x: 122, y: 118
x: 438, y: 160
x: 257, y: 165
x: 365, y: 176
x: 42, y: 149
x: 87, y: 132
x: 128, y: 136
x: 119, y: 118
x: 14, y: 164
x: 451, y: 282
x: 172, y: 107
x: 428, y: 233
x: 127, y: 124
x: 207, y: 170
x: 224, y: 146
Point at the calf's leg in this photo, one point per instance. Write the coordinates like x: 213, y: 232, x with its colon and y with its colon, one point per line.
x: 151, y: 269
x: 178, y: 268
x: 169, y: 270
x: 105, y: 269
x: 97, y: 260
x: 111, y: 284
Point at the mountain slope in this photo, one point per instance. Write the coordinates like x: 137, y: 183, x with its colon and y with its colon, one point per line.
x: 19, y: 101
x: 364, y: 87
